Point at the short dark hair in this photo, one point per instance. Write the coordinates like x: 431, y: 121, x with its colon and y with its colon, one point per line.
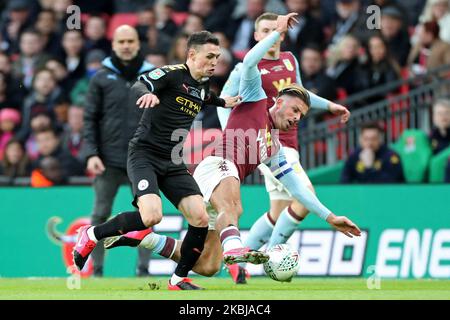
x: 372, y: 126
x: 200, y: 38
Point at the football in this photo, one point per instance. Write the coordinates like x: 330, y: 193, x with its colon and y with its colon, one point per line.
x: 283, y: 263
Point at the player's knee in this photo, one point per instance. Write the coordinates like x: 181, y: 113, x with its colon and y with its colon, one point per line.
x: 200, y: 218
x: 151, y: 216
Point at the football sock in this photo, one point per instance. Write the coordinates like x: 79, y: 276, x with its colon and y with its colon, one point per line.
x: 191, y: 249
x: 230, y: 237
x: 260, y: 232
x: 91, y: 235
x: 286, y: 225
x: 120, y: 224
x: 175, y: 279
x: 162, y: 245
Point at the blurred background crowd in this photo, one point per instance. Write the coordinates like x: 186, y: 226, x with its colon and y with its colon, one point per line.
x: 45, y: 68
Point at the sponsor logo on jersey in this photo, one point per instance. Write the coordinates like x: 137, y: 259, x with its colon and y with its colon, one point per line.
x: 282, y: 83
x: 187, y: 106
x: 264, y: 71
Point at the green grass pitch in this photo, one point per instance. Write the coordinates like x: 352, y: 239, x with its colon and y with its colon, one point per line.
x: 258, y: 288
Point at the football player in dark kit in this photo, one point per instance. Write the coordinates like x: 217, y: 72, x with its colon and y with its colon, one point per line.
x: 172, y: 95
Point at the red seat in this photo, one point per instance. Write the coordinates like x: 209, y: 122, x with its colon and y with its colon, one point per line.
x: 179, y: 17
x: 341, y: 94
x: 120, y: 19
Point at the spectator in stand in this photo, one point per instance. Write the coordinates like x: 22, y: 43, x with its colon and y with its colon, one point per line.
x: 430, y: 51
x: 164, y: 22
x: 156, y: 58
x: 215, y: 14
x: 94, y: 60
x: 240, y: 30
x: 72, y: 136
x: 72, y: 54
x: 31, y: 57
x: 408, y: 15
x: 344, y: 66
x: 59, y: 70
x: 193, y: 23
x: 46, y: 24
x: 17, y: 18
x: 155, y: 40
x: 15, y: 162
x: 315, y: 9
x: 94, y: 7
x: 372, y: 162
x: 7, y: 98
x: 438, y: 10
x: 350, y: 18
x: 9, y: 120
x: 314, y: 77
x: 447, y: 172
x: 95, y: 33
x: 48, y: 173
x: 440, y: 134
x: 307, y: 31
x: 45, y: 95
x: 11, y: 92
x: 48, y: 144
x: 145, y: 18
x: 60, y: 9
x: 177, y: 53
x: 40, y: 120
x: 395, y: 32
x: 380, y: 67
x: 61, y: 110
x: 414, y: 9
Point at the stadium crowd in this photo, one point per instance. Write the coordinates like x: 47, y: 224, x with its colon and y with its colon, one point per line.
x: 45, y: 67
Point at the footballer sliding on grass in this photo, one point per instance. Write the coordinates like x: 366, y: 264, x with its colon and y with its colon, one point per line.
x: 250, y: 138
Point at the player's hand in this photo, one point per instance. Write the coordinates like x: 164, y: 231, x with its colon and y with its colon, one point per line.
x: 339, y: 110
x: 344, y: 225
x: 95, y: 165
x: 231, y: 102
x: 285, y: 22
x: 148, y: 100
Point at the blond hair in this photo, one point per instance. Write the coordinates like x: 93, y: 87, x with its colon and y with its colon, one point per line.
x: 296, y: 90
x: 265, y: 16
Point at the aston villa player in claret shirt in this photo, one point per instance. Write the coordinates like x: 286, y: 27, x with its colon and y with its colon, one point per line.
x: 278, y: 69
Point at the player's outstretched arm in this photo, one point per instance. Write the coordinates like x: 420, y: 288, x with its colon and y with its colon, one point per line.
x: 283, y: 171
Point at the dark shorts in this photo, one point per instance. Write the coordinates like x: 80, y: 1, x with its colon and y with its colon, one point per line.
x: 149, y: 174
